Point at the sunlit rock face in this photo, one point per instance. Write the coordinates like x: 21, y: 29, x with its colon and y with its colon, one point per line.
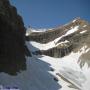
x: 12, y: 39
x: 53, y: 33
x: 71, y: 37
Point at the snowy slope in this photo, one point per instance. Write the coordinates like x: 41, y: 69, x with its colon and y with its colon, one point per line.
x: 49, y: 73
x: 36, y: 77
x: 39, y: 76
x: 53, y: 43
x: 69, y: 68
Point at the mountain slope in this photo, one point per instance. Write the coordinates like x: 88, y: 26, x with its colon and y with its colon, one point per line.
x: 53, y: 33
x: 60, y: 63
x: 75, y: 35
x: 72, y: 45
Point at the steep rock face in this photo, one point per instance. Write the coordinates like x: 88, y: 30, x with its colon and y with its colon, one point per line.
x: 50, y: 35
x: 12, y: 39
x: 76, y: 33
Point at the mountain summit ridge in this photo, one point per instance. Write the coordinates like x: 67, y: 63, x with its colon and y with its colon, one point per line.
x: 61, y: 41
x: 50, y: 34
x: 67, y: 50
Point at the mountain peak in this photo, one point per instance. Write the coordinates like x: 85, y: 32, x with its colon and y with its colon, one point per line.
x: 77, y: 19
x: 80, y: 20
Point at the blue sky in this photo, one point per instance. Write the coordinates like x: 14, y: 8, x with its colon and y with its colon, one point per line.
x: 51, y: 13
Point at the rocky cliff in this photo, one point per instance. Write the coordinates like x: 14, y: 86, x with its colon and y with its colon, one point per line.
x: 50, y: 35
x: 12, y: 39
x: 70, y: 37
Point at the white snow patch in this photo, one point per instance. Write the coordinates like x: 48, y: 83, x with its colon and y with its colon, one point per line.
x: 32, y: 30
x: 73, y: 76
x: 83, y: 31
x: 84, y: 25
x: 74, y: 20
x: 84, y: 49
x: 72, y: 30
x: 27, y: 33
x: 38, y: 30
x: 86, y: 85
x: 38, y: 46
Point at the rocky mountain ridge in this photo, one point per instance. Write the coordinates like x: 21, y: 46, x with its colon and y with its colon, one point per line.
x: 49, y: 35
x: 68, y: 38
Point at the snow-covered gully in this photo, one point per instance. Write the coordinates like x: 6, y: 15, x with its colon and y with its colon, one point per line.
x: 48, y: 73
x: 67, y: 72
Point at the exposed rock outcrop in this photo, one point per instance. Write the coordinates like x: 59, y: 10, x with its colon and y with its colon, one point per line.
x: 75, y: 40
x: 12, y: 39
x: 50, y: 35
